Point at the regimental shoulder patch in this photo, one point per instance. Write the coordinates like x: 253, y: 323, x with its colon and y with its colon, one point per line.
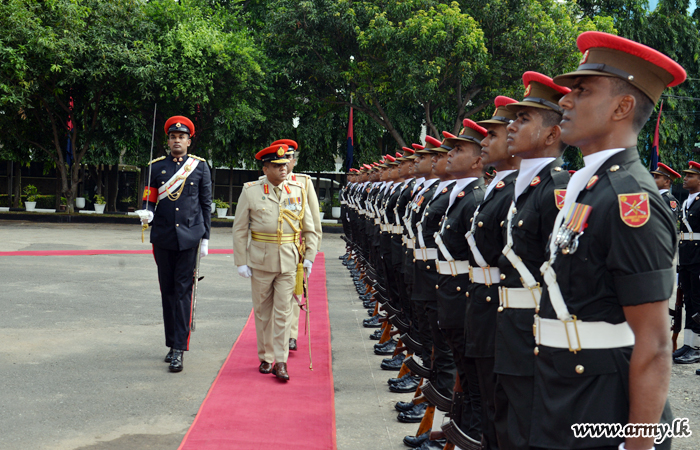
x: 592, y: 181
x: 288, y: 189
x: 266, y: 188
x: 156, y: 160
x: 443, y: 191
x: 535, y: 181
x: 560, y: 197
x: 500, y: 184
x: 294, y: 177
x: 634, y: 209
x: 461, y: 194
x: 673, y: 204
x: 197, y: 157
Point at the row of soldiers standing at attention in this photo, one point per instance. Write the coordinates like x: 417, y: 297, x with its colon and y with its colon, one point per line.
x: 538, y: 301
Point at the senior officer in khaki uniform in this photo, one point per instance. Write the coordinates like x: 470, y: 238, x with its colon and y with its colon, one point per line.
x: 275, y: 211
x: 312, y: 199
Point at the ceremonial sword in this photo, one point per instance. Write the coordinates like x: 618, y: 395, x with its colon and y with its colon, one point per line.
x: 196, y: 280
x: 144, y: 226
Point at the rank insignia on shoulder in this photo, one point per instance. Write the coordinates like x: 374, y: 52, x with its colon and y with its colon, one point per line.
x: 634, y: 209
x: 444, y: 190
x: 535, y: 181
x: 560, y: 197
x: 592, y: 181
x: 157, y: 159
x: 673, y: 204
x: 461, y: 194
x: 500, y: 184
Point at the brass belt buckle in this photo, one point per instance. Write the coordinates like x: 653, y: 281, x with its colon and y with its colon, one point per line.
x: 535, y: 297
x: 453, y: 271
x: 485, y: 270
x: 568, y: 338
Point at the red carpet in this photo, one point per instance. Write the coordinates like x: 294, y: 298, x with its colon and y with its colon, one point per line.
x: 245, y: 409
x: 221, y: 251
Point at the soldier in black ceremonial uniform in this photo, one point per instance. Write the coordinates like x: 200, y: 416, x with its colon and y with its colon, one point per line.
x: 689, y: 263
x: 486, y: 241
x: 464, y: 165
x: 603, y: 344
x: 538, y: 194
x: 178, y: 204
x: 664, y: 177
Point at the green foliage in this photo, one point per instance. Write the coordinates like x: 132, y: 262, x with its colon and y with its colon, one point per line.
x: 220, y: 203
x: 99, y: 200
x: 31, y: 192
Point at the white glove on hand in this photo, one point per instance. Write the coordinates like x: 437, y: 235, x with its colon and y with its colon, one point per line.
x: 245, y: 271
x: 204, y: 248
x: 307, y: 266
x: 145, y: 215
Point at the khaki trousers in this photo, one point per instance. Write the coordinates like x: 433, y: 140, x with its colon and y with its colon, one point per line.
x: 272, y: 304
x: 294, y: 332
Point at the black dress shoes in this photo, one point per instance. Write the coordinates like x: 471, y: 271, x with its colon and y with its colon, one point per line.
x: 394, y: 363
x: 416, y: 441
x: 265, y: 367
x: 692, y: 356
x: 433, y: 445
x: 169, y: 356
x: 377, y: 335
x: 408, y: 385
x: 372, y: 322
x: 681, y: 351
x: 176, y: 361
x: 292, y: 344
x: 404, y: 406
x: 387, y: 349
x: 415, y: 415
x: 391, y: 381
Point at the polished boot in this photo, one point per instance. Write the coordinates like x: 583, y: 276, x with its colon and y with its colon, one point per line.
x: 415, y: 415
x: 416, y: 441
x: 292, y: 344
x: 391, y: 381
x: 681, y: 351
x: 377, y: 335
x: 265, y: 367
x: 386, y: 349
x: 692, y: 356
x: 169, y: 356
x: 176, y: 360
x: 394, y: 363
x: 280, y: 371
x: 433, y: 445
x: 408, y: 385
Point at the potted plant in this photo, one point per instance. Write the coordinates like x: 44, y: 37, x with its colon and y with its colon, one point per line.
x: 221, y: 208
x: 64, y: 204
x: 80, y: 202
x: 100, y: 204
x: 335, y: 206
x: 32, y: 194
x: 321, y: 211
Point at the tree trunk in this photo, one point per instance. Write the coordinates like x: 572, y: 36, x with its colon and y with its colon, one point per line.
x: 58, y: 191
x: 112, y: 187
x: 17, y: 182
x: 230, y: 190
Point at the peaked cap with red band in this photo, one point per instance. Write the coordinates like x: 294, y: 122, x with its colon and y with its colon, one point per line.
x: 179, y: 124
x: 352, y: 169
x: 607, y: 55
x: 408, y: 154
x: 472, y: 133
x: 431, y: 145
x: 274, y: 154
x: 367, y: 166
x: 540, y: 92
x: 693, y: 167
x: 289, y: 143
x: 663, y: 169
x: 501, y: 115
x: 390, y: 160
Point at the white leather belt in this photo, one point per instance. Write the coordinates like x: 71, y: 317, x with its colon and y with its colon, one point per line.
x: 409, y: 243
x: 485, y: 275
x: 519, y: 298
x: 383, y: 227
x: 397, y: 229
x: 425, y: 254
x: 343, y: 202
x: 377, y: 222
x: 689, y: 236
x: 576, y: 335
x: 452, y: 267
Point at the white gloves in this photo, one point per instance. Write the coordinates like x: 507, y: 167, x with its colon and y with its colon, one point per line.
x: 245, y: 271
x: 204, y: 248
x: 307, y: 266
x: 145, y: 215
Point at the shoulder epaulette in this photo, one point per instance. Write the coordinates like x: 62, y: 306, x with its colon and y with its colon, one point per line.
x: 156, y: 160
x: 197, y: 157
x: 251, y: 183
x: 560, y: 176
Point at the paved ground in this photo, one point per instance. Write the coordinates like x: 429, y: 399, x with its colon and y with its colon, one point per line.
x: 80, y: 368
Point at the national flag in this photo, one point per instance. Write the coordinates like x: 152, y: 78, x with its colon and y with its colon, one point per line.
x: 348, y: 155
x: 654, y: 160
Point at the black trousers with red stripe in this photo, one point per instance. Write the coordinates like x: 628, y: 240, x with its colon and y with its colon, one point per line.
x: 175, y: 275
